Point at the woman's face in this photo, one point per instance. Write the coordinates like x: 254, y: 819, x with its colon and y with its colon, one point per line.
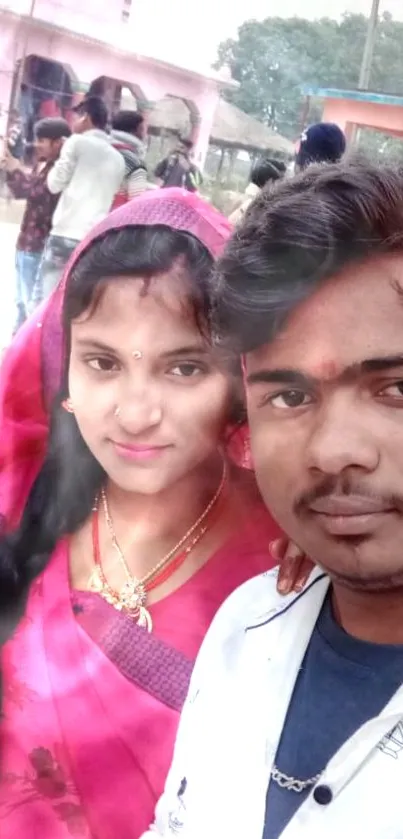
x: 149, y: 397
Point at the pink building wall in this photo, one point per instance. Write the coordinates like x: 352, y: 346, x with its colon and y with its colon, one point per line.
x: 346, y: 113
x: 88, y: 59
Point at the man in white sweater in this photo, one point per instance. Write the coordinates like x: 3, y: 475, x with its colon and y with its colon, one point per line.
x: 293, y: 727
x: 87, y: 175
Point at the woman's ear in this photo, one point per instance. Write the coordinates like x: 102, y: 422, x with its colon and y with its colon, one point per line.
x: 237, y: 446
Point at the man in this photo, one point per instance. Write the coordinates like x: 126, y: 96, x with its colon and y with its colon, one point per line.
x: 265, y: 171
x: 127, y: 135
x: 178, y: 170
x: 323, y: 142
x: 87, y: 176
x: 39, y: 209
x: 293, y: 725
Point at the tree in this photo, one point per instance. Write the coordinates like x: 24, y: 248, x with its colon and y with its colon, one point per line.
x: 273, y: 58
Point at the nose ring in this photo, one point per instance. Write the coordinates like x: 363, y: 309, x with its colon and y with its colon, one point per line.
x: 137, y: 354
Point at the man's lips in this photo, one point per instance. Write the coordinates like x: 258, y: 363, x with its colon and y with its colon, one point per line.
x: 350, y: 515
x: 349, y: 505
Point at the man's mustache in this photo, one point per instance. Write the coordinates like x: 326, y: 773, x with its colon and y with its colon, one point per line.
x: 343, y: 487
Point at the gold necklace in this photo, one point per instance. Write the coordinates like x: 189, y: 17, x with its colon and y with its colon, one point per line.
x: 133, y: 594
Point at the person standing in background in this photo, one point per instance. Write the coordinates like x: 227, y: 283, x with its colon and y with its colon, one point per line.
x: 323, y: 142
x: 128, y: 128
x: 87, y: 176
x: 40, y: 206
x: 178, y: 170
x: 265, y: 171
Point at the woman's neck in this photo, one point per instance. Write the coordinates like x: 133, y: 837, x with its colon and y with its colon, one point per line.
x: 161, y: 519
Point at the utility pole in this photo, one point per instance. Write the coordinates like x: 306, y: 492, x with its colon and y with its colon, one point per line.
x: 365, y: 72
x: 366, y: 64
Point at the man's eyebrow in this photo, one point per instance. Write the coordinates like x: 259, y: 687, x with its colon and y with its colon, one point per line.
x: 286, y: 375
x: 373, y: 365
x: 289, y: 375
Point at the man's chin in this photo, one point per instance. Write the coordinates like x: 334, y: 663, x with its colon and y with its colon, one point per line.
x: 365, y: 578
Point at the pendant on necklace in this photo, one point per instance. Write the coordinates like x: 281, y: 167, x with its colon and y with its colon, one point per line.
x: 131, y: 598
x: 145, y: 619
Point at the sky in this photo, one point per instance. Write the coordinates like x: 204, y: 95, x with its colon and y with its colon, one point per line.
x: 188, y: 33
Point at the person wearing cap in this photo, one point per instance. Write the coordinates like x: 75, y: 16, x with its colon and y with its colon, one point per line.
x: 323, y: 142
x: 87, y: 176
x: 266, y: 170
x: 40, y: 205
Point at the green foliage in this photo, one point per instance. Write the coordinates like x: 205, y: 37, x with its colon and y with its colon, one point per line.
x: 272, y: 59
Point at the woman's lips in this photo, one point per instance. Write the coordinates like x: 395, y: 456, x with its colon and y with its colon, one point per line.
x: 139, y: 452
x: 350, y: 515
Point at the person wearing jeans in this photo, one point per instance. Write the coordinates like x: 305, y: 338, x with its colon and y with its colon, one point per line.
x: 41, y: 203
x: 87, y: 176
x: 56, y: 254
x: 26, y: 265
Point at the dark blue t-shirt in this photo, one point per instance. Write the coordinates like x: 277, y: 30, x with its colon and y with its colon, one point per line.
x: 338, y: 689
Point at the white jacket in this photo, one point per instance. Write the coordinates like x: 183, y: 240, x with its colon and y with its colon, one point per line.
x: 232, y: 722
x: 88, y: 174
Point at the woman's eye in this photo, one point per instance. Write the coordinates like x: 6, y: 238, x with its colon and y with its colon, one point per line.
x: 289, y: 399
x: 188, y: 370
x: 103, y: 365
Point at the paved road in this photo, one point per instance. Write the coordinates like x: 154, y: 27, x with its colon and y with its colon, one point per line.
x: 8, y: 236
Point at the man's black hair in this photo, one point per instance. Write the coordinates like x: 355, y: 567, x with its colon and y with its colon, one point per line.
x: 52, y: 128
x: 299, y: 234
x: 129, y: 121
x: 266, y: 169
x: 96, y: 109
x: 185, y: 141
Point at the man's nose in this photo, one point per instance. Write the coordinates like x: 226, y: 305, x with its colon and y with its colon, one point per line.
x: 342, y: 439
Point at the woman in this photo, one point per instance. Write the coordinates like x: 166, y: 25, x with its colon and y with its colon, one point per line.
x: 127, y: 525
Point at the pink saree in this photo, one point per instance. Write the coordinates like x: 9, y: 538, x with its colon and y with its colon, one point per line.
x: 92, y: 701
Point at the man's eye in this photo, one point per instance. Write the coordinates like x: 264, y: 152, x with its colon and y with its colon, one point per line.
x: 394, y: 390
x: 103, y: 365
x: 289, y: 399
x: 187, y: 370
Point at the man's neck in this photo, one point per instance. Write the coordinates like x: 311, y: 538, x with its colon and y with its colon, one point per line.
x: 376, y: 617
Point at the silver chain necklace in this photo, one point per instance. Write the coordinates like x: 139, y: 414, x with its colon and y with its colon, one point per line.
x: 294, y: 784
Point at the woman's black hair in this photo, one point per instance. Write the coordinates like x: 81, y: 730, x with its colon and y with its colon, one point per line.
x: 63, y: 494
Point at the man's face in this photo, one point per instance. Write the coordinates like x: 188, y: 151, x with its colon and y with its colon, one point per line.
x: 325, y: 403
x: 47, y: 149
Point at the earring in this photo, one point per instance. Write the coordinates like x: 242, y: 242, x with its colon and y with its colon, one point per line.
x: 68, y: 406
x: 116, y: 412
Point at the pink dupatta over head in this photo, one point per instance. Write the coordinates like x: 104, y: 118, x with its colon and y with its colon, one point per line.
x: 84, y: 748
